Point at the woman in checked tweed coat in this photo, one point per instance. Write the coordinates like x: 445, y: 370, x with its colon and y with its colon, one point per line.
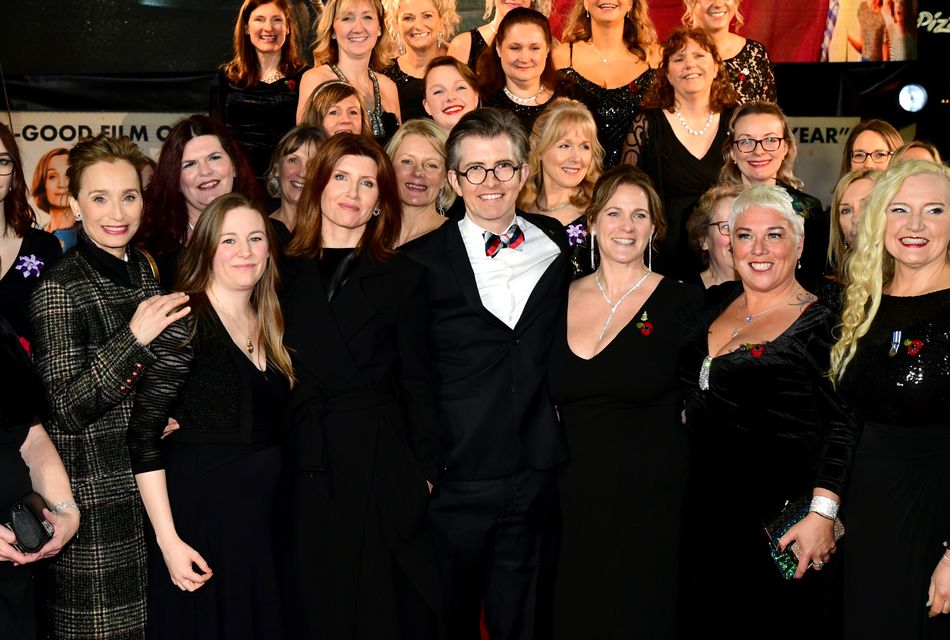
x: 93, y: 317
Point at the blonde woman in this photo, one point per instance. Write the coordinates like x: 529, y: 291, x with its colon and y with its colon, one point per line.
x: 352, y: 47
x: 847, y: 203
x: 421, y: 31
x: 890, y: 366
x: 563, y: 165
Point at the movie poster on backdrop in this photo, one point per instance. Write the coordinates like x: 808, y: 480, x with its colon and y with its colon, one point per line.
x: 45, y: 138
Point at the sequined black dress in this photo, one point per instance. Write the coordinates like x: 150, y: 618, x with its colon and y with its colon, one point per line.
x: 613, y: 109
x: 897, y: 508
x: 411, y: 91
x: 750, y: 72
x: 622, y: 490
x: 768, y: 428
x: 384, y: 123
x: 478, y: 45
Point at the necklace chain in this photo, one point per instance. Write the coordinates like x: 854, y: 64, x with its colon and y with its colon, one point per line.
x: 557, y: 207
x: 614, y: 305
x: 591, y: 43
x: 752, y: 316
x: 523, y: 101
x: 248, y: 344
x: 689, y: 129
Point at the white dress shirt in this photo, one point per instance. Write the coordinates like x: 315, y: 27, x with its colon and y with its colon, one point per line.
x: 506, y: 281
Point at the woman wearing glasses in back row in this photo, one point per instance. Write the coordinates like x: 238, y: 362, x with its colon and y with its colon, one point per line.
x: 761, y: 150
x: 870, y: 145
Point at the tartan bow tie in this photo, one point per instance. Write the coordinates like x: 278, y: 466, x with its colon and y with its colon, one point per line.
x: 511, y: 239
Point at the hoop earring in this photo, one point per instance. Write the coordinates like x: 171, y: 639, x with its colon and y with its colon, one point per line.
x: 376, y: 212
x: 593, y: 244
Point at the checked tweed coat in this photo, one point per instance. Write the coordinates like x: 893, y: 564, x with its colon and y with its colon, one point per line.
x: 90, y: 362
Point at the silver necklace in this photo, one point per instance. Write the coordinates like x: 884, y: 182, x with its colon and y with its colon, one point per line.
x: 689, y: 129
x: 591, y: 43
x: 523, y: 101
x: 614, y: 305
x: 752, y: 316
x: 557, y: 207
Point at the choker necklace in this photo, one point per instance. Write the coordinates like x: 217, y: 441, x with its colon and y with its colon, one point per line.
x: 247, y: 344
x: 272, y: 77
x: 689, y: 129
x: 614, y: 305
x: 523, y: 101
x: 752, y: 316
x: 557, y: 207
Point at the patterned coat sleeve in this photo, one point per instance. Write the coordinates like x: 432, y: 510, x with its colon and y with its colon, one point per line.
x: 80, y: 389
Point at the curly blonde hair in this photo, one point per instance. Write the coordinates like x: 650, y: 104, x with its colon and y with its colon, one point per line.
x: 447, y: 14
x: 328, y: 52
x: 560, y: 115
x: 543, y: 6
x: 689, y: 5
x: 639, y: 33
x: 871, y: 267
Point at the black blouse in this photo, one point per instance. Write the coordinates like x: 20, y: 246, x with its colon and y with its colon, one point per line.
x: 39, y: 251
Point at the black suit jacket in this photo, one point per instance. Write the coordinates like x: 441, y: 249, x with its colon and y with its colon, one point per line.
x: 492, y: 396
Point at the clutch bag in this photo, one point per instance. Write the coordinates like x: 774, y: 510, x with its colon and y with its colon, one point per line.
x: 26, y: 521
x: 793, y: 511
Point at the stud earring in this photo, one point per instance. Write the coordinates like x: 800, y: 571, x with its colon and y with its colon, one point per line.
x: 376, y: 212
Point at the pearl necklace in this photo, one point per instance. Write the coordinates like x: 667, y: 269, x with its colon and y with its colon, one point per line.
x: 688, y: 128
x: 615, y: 305
x: 272, y: 77
x: 523, y: 101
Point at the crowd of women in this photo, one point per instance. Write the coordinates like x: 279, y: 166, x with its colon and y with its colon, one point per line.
x: 252, y: 391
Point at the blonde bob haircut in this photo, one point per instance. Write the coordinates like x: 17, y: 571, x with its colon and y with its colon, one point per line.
x: 196, y: 271
x: 446, y: 10
x: 561, y: 115
x: 327, y: 51
x: 871, y: 267
x: 435, y: 136
x: 838, y: 250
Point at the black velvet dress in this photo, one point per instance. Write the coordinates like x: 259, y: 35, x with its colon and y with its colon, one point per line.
x: 622, y: 490
x: 898, y: 502
x: 613, y: 109
x: 769, y: 428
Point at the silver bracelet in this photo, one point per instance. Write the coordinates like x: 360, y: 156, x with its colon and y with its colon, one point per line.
x: 825, y: 507
x: 62, y: 506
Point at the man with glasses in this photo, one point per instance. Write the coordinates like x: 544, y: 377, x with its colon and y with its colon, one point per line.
x: 496, y: 282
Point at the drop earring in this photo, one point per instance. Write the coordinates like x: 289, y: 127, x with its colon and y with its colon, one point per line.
x: 593, y: 244
x: 441, y: 41
x: 400, y: 45
x: 650, y: 256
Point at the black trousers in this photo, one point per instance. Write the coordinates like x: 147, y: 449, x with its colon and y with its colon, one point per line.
x: 497, y: 544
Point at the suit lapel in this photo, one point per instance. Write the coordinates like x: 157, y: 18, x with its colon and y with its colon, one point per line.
x: 462, y: 270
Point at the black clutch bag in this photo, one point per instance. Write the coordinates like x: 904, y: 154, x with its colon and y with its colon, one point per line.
x: 26, y: 521
x: 787, y: 561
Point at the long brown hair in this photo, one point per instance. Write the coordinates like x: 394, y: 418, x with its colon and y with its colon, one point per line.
x: 491, y: 77
x: 244, y: 70
x: 196, y: 269
x: 382, y: 231
x: 617, y: 177
x: 661, y: 95
x: 328, y: 94
x: 639, y: 33
x: 18, y: 214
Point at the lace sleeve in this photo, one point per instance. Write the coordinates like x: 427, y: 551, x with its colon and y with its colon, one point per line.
x: 637, y: 140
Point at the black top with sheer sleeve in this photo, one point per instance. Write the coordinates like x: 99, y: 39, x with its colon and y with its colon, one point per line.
x: 750, y: 72
x: 411, y: 92
x: 613, y: 109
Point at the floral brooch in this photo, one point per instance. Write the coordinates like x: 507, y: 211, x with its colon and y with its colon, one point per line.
x: 645, y: 326
x: 576, y: 234
x: 29, y: 266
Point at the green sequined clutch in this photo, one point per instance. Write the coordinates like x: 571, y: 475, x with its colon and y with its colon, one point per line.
x: 787, y: 561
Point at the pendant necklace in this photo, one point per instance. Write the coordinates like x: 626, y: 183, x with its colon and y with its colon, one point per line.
x: 689, y: 129
x: 523, y: 101
x: 752, y: 316
x: 615, y: 305
x: 596, y: 50
x: 247, y: 343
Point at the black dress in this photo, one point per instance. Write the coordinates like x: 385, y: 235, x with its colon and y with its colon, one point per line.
x: 613, y: 109
x: 21, y: 404
x: 680, y: 179
x: 622, y: 490
x: 222, y: 469
x: 39, y: 251
x: 578, y: 239
x: 750, y: 72
x: 475, y: 52
x: 527, y: 114
x: 898, y: 502
x: 258, y: 116
x: 383, y: 123
x: 768, y: 429
x: 411, y: 92
x: 814, y: 260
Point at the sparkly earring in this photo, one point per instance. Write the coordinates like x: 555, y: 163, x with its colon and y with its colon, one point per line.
x: 440, y: 41
x: 593, y: 244
x: 399, y: 44
x: 587, y: 14
x: 650, y: 256
x: 799, y: 264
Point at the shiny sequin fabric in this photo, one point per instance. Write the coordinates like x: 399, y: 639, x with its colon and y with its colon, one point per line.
x: 750, y: 72
x: 410, y: 90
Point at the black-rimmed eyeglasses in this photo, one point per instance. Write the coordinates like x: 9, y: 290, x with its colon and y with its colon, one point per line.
x: 6, y: 166
x: 860, y: 157
x: 748, y: 145
x: 503, y: 172
x: 723, y: 227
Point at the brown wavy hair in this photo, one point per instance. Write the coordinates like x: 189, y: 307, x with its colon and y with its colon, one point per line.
x: 327, y: 51
x: 560, y: 114
x: 491, y: 77
x: 382, y: 231
x: 892, y: 138
x: 617, y: 177
x: 17, y: 212
x: 244, y: 70
x: 786, y: 171
x: 196, y: 270
x: 639, y: 32
x: 661, y: 95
